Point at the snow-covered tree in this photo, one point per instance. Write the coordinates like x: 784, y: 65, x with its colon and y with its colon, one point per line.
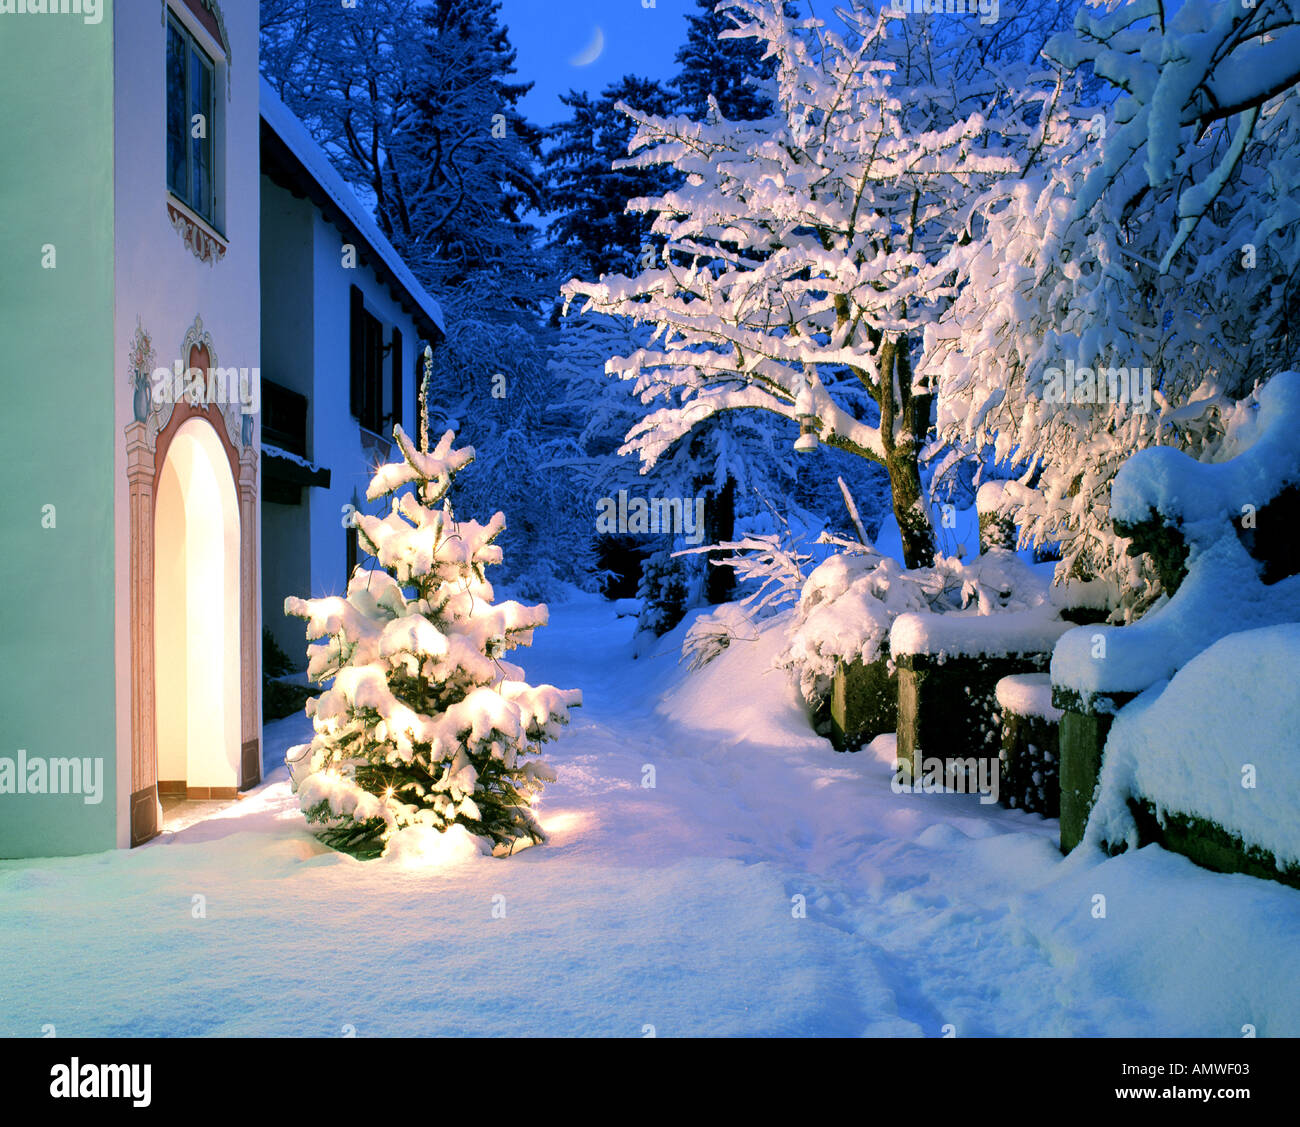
x: 425, y: 724
x: 417, y: 106
x: 1182, y: 71
x: 801, y: 247
x: 662, y: 592
x: 494, y: 387
x: 469, y: 165
x: 1093, y: 319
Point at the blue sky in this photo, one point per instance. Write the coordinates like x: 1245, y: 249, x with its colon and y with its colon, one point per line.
x: 550, y: 34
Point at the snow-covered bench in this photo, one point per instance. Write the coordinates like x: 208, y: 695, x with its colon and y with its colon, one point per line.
x: 1223, y: 535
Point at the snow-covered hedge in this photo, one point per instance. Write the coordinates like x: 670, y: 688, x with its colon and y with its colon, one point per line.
x: 1217, y: 742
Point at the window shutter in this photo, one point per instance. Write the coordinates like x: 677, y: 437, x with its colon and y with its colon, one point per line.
x: 399, y: 381
x: 358, y: 351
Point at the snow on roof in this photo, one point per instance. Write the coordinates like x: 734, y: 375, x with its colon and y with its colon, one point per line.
x: 290, y: 129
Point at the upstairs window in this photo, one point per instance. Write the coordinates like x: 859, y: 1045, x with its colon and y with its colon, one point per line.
x: 367, y: 384
x: 190, y: 106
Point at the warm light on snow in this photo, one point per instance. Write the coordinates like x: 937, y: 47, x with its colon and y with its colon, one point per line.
x: 563, y: 821
x: 420, y: 847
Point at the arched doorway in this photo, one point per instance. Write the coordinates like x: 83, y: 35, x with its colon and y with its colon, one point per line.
x: 196, y: 597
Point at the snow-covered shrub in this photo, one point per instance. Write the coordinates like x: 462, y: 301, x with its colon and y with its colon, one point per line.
x: 425, y: 726
x: 714, y: 632
x: 774, y: 563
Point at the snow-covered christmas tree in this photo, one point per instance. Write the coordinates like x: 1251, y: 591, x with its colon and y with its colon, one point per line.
x: 425, y: 728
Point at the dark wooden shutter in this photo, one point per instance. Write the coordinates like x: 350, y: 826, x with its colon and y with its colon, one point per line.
x: 358, y: 360
x: 372, y: 400
x: 399, y: 377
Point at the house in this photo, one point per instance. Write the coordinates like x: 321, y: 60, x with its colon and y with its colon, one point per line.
x: 166, y: 238
x: 344, y: 322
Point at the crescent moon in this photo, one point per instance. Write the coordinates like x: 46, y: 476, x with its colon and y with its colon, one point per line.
x: 592, y: 51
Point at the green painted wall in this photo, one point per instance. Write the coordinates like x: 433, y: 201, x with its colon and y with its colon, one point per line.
x: 57, y: 431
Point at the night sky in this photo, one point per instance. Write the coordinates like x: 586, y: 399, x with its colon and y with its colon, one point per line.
x: 550, y: 34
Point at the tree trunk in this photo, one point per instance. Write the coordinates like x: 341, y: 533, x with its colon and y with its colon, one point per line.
x: 903, y: 444
x: 719, y: 525
x: 910, y: 511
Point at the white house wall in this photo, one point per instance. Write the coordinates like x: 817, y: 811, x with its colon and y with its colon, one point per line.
x: 161, y: 284
x: 334, y: 433
x: 288, y: 358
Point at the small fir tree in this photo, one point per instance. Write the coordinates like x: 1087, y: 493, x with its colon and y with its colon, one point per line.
x: 662, y: 591
x: 424, y: 725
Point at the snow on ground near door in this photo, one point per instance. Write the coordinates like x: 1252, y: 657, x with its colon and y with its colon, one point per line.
x: 669, y: 907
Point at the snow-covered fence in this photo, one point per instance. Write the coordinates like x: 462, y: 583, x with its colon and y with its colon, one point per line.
x: 1206, y: 764
x: 1030, y: 751
x: 1223, y: 532
x: 863, y: 701
x: 949, y: 666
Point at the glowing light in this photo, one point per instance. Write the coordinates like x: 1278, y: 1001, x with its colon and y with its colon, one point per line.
x: 562, y: 821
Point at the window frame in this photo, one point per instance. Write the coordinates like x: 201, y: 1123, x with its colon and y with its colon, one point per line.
x: 372, y: 382
x: 194, y: 45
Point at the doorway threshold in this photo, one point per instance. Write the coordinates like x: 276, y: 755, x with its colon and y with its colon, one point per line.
x: 180, y: 812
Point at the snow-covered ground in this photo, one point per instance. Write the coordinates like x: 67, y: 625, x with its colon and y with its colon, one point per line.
x: 673, y: 906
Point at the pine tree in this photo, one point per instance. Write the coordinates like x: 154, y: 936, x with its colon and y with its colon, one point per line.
x: 416, y: 105
x: 463, y: 159
x: 724, y: 69
x: 593, y: 228
x: 424, y: 726
x: 662, y: 591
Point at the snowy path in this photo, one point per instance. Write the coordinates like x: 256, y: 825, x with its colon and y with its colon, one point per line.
x: 668, y: 906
